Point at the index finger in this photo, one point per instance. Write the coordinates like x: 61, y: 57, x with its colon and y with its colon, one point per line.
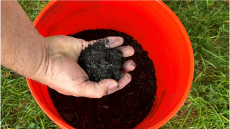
x: 110, y: 42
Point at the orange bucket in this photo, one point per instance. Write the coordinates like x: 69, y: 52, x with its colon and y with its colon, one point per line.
x: 151, y: 23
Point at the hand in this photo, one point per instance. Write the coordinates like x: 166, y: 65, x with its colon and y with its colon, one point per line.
x: 63, y: 73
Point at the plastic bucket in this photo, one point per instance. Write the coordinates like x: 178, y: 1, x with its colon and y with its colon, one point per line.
x: 151, y: 23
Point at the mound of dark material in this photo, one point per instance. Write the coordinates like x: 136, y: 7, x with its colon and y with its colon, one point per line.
x: 123, y: 109
x: 100, y: 62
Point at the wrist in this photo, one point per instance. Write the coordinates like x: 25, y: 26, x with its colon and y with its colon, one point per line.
x: 40, y: 71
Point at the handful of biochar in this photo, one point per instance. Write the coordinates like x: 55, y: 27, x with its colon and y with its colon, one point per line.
x: 100, y: 62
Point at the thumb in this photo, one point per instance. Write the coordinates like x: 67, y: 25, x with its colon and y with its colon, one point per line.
x: 66, y: 45
x: 97, y: 89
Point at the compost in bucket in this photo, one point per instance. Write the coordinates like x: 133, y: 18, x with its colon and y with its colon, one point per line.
x: 125, y: 108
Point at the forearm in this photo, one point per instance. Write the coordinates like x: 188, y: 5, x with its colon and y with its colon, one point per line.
x: 22, y: 47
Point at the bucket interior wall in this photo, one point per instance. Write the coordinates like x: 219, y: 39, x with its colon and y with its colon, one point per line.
x: 151, y: 23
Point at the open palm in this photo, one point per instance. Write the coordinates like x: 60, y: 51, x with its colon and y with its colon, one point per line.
x: 65, y: 75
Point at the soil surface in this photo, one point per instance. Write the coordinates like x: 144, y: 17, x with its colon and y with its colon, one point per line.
x: 100, y: 62
x: 123, y: 109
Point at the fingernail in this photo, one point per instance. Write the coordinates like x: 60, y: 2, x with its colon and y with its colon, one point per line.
x: 106, y: 42
x: 133, y: 63
x: 114, y: 41
x: 111, y: 86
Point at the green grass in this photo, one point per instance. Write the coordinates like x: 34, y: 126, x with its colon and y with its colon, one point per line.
x: 207, y: 24
x: 18, y: 108
x: 33, y: 8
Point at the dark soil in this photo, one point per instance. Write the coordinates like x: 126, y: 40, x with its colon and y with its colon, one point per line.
x: 123, y: 109
x: 100, y: 62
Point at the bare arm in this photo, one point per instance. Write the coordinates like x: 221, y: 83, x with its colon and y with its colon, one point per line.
x: 53, y: 60
x: 22, y: 47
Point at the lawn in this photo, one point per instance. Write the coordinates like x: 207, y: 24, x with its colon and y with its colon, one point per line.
x: 207, y: 106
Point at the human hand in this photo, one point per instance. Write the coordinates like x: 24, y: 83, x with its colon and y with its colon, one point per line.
x: 63, y: 73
